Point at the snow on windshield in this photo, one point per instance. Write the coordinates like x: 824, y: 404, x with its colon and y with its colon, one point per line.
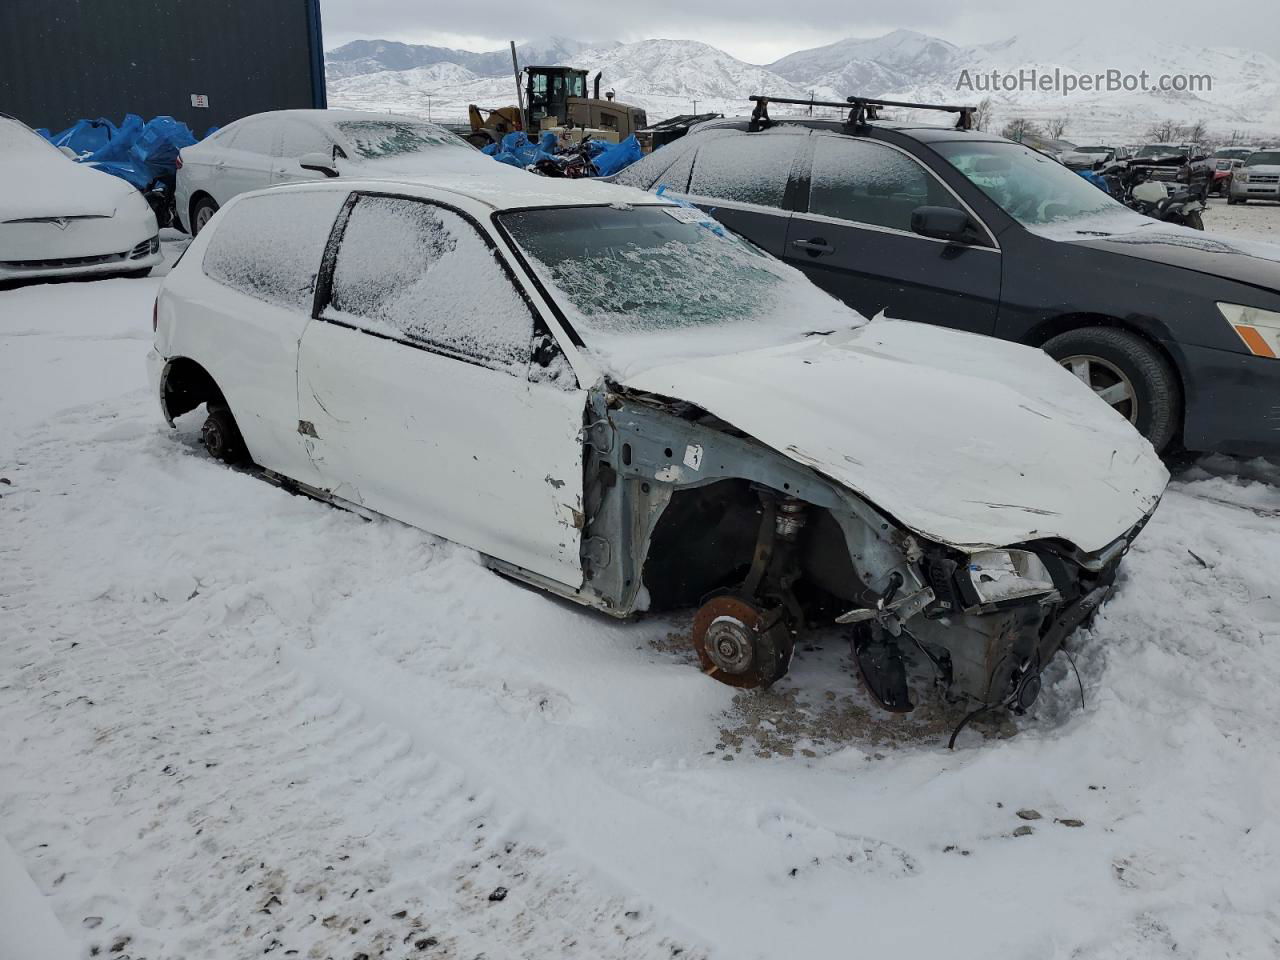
x: 375, y: 139
x: 656, y: 283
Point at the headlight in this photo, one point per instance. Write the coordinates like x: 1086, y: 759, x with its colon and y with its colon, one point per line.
x: 999, y: 576
x: 1259, y: 329
x: 1241, y: 176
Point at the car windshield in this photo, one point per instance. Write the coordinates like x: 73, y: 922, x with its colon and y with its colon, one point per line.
x: 1232, y: 153
x: 1028, y: 186
x: 1263, y: 158
x: 1093, y: 149
x: 648, y: 284
x: 375, y: 139
x: 1159, y: 150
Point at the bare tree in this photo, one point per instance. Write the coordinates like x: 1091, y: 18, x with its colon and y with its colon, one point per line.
x: 1163, y: 131
x: 1056, y: 127
x: 1196, y: 134
x: 982, y: 114
x: 1019, y: 128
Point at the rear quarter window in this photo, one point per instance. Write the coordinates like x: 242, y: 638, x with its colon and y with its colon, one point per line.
x: 270, y: 246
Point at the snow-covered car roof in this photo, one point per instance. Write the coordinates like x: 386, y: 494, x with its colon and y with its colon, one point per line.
x: 503, y: 188
x: 337, y: 116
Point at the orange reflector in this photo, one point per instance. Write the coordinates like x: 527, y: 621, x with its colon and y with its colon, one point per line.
x: 1255, y: 341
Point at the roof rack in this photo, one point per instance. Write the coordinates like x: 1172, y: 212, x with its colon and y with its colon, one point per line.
x: 861, y: 109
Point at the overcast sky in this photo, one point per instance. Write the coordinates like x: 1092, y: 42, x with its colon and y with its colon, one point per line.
x: 760, y: 31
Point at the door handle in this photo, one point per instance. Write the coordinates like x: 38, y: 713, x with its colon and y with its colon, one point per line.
x: 815, y: 247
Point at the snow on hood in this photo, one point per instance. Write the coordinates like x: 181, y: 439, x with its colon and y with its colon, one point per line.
x: 36, y: 185
x: 966, y: 440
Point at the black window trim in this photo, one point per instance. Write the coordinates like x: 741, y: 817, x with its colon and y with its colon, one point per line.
x: 543, y: 346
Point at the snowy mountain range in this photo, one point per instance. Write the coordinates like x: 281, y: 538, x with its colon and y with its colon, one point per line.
x: 669, y: 77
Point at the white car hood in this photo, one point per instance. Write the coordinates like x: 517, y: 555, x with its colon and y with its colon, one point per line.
x: 966, y: 440
x: 56, y: 186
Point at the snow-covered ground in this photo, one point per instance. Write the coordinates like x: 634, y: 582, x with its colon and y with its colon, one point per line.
x: 235, y: 722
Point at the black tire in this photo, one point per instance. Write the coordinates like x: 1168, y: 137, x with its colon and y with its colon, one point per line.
x: 201, y: 211
x: 137, y: 274
x: 1232, y: 201
x: 1156, y: 407
x: 1194, y: 220
x: 221, y: 437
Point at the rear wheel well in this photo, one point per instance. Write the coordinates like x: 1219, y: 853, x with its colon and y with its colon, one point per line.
x: 191, y: 208
x: 184, y: 385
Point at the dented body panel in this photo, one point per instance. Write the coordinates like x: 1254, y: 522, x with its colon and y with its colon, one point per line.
x: 966, y: 440
x: 474, y: 455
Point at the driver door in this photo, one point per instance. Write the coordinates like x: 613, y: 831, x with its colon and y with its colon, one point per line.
x: 421, y: 397
x: 854, y: 239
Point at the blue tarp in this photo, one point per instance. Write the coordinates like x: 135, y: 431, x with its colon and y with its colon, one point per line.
x: 1097, y: 180
x: 518, y: 150
x: 613, y: 158
x: 138, y: 152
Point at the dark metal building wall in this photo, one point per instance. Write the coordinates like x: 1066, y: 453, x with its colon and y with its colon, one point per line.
x: 65, y: 59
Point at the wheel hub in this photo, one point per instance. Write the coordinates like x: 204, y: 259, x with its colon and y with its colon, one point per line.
x: 1107, y: 381
x: 728, y: 644
x: 212, y: 437
x: 739, y: 644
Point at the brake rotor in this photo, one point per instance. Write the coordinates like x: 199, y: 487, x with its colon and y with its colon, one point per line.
x: 740, y: 644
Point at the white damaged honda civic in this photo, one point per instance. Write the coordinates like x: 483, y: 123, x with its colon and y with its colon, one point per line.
x: 611, y: 398
x: 59, y: 218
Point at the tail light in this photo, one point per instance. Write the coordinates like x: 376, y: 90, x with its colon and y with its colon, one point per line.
x: 155, y: 315
x: 178, y: 162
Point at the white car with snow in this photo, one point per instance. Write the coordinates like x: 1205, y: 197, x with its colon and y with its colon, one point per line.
x: 612, y: 398
x: 287, y: 146
x: 59, y: 218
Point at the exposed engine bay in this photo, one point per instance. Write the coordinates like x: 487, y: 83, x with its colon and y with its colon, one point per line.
x: 683, y: 511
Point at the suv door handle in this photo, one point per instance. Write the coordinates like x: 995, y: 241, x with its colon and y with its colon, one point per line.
x: 815, y: 247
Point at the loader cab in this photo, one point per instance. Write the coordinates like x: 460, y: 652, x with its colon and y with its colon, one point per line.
x: 547, y: 91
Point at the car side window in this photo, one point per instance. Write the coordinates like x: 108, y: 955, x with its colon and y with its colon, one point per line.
x: 258, y: 136
x: 270, y: 247
x: 419, y: 272
x: 870, y: 183
x: 298, y: 139
x: 749, y: 168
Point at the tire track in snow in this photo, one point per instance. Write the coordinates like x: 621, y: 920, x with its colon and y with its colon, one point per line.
x: 180, y: 793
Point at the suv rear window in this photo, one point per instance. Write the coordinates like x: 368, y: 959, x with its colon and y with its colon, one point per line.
x: 750, y: 168
x: 270, y: 246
